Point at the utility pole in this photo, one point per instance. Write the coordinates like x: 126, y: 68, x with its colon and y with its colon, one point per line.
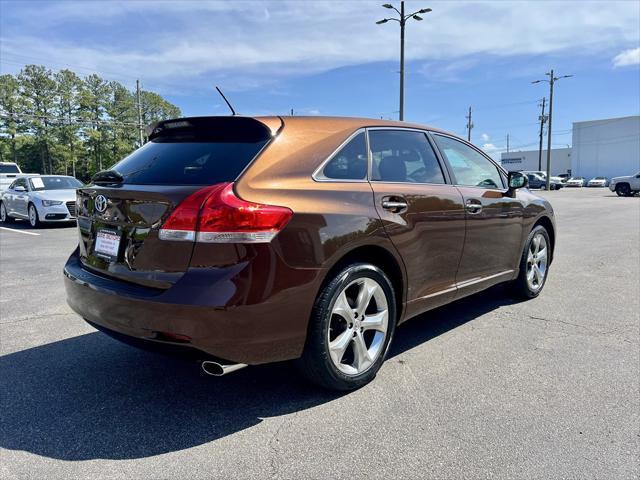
x: 140, y: 130
x: 542, y: 122
x: 507, y: 143
x: 552, y: 80
x: 292, y: 112
x: 402, y: 24
x: 402, y: 20
x: 469, y: 125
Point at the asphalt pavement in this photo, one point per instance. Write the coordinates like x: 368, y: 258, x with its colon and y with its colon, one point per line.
x: 482, y: 388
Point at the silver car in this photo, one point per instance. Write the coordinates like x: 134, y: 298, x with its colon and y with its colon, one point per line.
x: 598, y: 182
x: 42, y: 198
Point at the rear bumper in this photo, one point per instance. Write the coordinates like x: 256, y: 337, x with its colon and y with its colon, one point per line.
x: 208, y: 306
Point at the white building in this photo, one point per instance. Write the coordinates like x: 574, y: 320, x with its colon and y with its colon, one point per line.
x: 608, y: 148
x: 528, y: 160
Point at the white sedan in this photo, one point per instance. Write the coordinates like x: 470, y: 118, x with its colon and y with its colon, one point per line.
x: 42, y: 198
x: 598, y: 182
x: 576, y: 182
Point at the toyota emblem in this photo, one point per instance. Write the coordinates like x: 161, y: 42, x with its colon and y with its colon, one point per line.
x: 100, y: 203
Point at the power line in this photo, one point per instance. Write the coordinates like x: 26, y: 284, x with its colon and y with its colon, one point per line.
x: 67, y: 121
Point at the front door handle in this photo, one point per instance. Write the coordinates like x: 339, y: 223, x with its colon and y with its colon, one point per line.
x: 394, y: 203
x: 473, y: 206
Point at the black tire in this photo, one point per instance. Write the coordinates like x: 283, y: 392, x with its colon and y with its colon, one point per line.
x: 316, y: 364
x: 36, y: 222
x: 520, y: 287
x: 4, y: 216
x: 623, y: 190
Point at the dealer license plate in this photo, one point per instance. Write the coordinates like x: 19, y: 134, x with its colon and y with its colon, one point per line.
x: 107, y: 244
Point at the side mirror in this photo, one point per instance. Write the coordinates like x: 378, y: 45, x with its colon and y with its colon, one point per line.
x: 20, y: 188
x: 517, y: 180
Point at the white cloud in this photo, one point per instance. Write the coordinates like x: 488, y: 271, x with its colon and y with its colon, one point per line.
x: 485, y: 138
x: 253, y: 43
x: 627, y: 57
x: 489, y: 148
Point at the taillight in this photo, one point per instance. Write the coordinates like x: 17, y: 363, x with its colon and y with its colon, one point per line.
x: 216, y: 215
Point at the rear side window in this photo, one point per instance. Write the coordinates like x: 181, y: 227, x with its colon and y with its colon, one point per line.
x: 350, y: 162
x: 403, y: 156
x: 197, y: 151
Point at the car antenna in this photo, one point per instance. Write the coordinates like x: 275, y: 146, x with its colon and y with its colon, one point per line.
x: 233, y: 112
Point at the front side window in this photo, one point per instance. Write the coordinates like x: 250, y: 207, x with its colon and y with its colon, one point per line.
x: 470, y: 167
x: 350, y: 162
x: 403, y: 156
x: 21, y: 182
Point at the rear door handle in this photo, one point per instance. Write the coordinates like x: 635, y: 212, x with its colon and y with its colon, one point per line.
x: 391, y: 205
x: 473, y: 206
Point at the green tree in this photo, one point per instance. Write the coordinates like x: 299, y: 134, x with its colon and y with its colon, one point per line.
x: 94, y: 96
x: 37, y: 92
x: 9, y: 110
x: 121, y: 111
x: 156, y: 108
x: 66, y: 108
x: 61, y: 123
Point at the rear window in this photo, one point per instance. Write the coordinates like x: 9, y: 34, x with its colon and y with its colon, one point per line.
x: 10, y: 168
x: 200, y: 151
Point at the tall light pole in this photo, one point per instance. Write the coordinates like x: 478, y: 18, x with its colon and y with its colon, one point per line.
x: 402, y: 20
x: 552, y: 79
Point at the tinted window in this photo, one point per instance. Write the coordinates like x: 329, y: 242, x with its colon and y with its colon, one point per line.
x: 175, y: 162
x: 350, y: 163
x: 10, y: 168
x: 53, y: 183
x: 403, y: 156
x: 469, y: 166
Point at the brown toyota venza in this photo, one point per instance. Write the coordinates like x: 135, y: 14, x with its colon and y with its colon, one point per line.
x: 245, y: 240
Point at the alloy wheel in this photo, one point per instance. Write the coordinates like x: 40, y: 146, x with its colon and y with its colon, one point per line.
x: 358, y: 326
x: 33, y: 216
x: 537, y: 262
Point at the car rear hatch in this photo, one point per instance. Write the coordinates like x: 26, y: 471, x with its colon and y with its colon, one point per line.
x: 122, y: 211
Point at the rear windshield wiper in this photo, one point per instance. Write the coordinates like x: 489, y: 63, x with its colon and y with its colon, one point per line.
x: 107, y: 177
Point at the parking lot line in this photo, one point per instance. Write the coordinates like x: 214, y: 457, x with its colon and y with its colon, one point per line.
x: 19, y: 231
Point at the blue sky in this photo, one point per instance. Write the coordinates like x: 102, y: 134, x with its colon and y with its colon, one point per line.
x: 329, y: 57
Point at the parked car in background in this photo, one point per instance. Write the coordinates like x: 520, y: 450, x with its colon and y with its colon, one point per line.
x: 576, y: 182
x: 41, y: 198
x: 625, y: 186
x: 598, y: 182
x: 248, y: 240
x: 536, y: 181
x: 564, y: 177
x: 557, y: 179
x: 9, y: 171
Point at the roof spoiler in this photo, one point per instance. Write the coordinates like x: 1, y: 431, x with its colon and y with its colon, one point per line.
x: 227, y: 129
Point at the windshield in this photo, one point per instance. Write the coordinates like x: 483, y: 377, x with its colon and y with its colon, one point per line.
x: 53, y: 183
x: 10, y: 168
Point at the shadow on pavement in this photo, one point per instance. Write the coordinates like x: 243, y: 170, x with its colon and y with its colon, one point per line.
x: 91, y: 397
x: 19, y: 224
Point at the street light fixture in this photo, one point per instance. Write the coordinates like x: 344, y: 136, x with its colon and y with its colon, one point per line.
x: 551, y: 81
x: 402, y: 20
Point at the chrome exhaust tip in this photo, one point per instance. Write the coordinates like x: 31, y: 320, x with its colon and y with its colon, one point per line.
x: 219, y: 369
